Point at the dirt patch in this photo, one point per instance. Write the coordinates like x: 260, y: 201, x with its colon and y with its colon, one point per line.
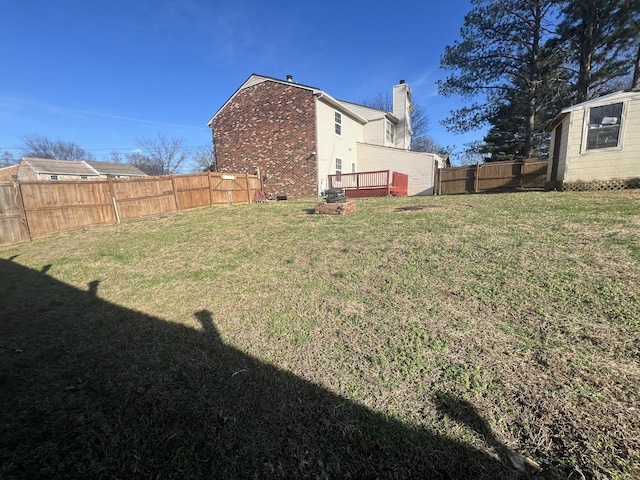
x: 414, y: 208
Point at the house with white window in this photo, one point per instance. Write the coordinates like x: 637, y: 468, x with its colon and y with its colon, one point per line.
x: 297, y: 135
x: 596, y: 142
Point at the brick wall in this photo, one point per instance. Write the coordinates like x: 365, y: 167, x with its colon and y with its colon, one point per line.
x: 270, y: 126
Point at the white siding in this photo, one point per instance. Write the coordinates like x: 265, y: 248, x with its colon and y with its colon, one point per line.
x: 402, y: 111
x: 368, y: 113
x: 421, y: 167
x: 253, y: 80
x: 374, y: 132
x: 607, y: 163
x: 375, y: 128
x: 331, y: 145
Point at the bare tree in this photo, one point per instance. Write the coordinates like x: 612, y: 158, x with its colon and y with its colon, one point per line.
x: 160, y: 156
x: 144, y: 163
x: 419, y: 119
x: 204, y: 159
x: 7, y: 159
x: 420, y: 141
x: 42, y: 147
x: 115, y: 157
x: 469, y: 155
x: 426, y: 143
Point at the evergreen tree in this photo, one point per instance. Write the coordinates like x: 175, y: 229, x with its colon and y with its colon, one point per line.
x: 600, y: 38
x: 635, y: 82
x: 502, y: 59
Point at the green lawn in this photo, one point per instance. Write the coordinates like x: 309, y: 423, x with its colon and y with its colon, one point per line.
x: 432, y: 337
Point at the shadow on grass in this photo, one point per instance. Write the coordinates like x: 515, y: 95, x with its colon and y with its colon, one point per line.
x: 89, y: 389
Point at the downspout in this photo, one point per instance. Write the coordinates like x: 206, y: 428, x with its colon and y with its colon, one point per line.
x: 318, y: 179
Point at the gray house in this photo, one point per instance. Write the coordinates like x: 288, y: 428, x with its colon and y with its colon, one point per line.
x: 31, y: 169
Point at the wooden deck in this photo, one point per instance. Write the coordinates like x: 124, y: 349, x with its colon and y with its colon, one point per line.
x: 381, y: 183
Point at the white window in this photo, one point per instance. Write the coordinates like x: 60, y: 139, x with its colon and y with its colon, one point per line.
x: 603, y: 130
x: 390, y: 132
x: 353, y: 168
x: 338, y: 166
x: 338, y: 123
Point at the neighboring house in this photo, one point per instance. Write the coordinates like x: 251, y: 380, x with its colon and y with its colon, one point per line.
x: 596, y: 141
x: 48, y: 169
x: 7, y: 174
x: 115, y: 170
x: 296, y: 135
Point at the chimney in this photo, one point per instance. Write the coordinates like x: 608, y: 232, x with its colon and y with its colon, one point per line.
x: 289, y: 78
x: 402, y: 111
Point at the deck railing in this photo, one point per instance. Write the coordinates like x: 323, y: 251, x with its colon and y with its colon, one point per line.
x: 378, y: 183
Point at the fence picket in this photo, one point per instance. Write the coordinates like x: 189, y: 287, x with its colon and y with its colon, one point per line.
x: 49, y: 207
x: 488, y: 177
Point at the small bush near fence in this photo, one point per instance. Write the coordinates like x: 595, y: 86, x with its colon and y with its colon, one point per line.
x: 35, y: 209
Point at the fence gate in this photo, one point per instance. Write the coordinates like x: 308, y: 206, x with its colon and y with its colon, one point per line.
x: 229, y: 188
x: 13, y: 222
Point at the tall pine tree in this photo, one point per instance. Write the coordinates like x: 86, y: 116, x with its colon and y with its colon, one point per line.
x: 501, y: 59
x: 600, y: 38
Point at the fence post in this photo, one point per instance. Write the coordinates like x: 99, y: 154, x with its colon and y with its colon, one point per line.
x: 259, y: 173
x: 521, y: 174
x: 209, y: 175
x: 476, y: 178
x: 113, y: 199
x: 24, y: 210
x: 175, y: 193
x: 246, y: 178
x: 388, y: 189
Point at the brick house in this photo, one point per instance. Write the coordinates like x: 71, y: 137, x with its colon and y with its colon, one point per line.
x: 296, y: 135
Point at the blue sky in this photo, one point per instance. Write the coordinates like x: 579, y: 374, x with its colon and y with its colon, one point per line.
x: 102, y: 73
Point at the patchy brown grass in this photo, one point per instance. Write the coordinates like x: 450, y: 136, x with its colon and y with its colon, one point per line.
x: 416, y: 337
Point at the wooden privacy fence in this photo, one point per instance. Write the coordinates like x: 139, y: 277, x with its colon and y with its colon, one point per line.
x: 13, y: 223
x: 487, y: 177
x: 35, y: 209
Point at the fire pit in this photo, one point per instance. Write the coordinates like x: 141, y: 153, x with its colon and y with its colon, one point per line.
x: 336, y: 203
x: 335, y: 195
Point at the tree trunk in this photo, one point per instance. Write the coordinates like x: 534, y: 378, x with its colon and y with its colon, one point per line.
x: 635, y: 83
x: 589, y: 19
x: 532, y: 87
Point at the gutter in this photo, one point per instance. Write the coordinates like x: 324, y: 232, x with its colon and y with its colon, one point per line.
x: 336, y: 104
